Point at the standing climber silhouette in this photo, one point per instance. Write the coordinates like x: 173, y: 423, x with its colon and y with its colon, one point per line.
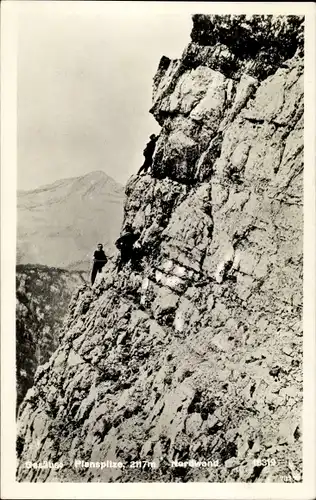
x: 125, y: 244
x: 99, y: 261
x: 148, y: 153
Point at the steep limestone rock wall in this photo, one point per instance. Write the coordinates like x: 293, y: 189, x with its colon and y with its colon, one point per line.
x: 196, y: 352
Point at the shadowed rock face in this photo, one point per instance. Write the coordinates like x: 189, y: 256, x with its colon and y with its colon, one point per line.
x: 197, y: 353
x: 250, y: 36
x: 42, y: 298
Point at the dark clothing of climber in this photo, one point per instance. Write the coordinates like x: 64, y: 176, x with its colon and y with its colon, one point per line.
x: 99, y: 261
x: 148, y: 153
x: 125, y: 244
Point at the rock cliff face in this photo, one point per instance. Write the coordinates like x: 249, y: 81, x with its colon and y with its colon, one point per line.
x: 197, y: 353
x: 42, y: 298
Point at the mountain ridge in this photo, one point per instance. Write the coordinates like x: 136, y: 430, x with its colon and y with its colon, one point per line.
x: 59, y: 223
x: 94, y: 174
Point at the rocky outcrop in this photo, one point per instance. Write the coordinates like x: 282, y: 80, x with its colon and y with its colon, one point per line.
x: 42, y: 298
x: 196, y: 354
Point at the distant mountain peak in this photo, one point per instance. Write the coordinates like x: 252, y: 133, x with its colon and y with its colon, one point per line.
x: 95, y: 175
x: 59, y: 224
x: 99, y: 175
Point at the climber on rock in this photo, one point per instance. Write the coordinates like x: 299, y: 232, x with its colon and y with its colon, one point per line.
x: 99, y: 261
x: 126, y: 245
x: 148, y: 153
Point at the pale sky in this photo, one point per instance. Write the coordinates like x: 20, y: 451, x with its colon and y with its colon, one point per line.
x: 85, y: 72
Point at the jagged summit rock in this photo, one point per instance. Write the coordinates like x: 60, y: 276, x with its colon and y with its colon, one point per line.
x: 59, y: 224
x: 196, y: 97
x: 195, y: 355
x: 247, y: 35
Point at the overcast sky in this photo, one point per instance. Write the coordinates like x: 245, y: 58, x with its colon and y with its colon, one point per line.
x: 85, y: 73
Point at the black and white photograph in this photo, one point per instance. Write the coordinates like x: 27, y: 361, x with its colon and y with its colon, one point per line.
x: 159, y: 245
